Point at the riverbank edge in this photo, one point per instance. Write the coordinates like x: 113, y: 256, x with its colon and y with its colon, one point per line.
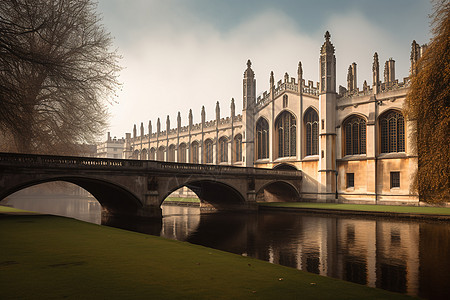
x: 286, y: 207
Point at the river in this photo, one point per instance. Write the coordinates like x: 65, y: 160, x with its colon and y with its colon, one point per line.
x: 411, y: 257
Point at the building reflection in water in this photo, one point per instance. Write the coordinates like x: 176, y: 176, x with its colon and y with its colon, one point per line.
x: 378, y: 252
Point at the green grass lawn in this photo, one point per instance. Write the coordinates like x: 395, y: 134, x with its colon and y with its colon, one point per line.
x: 180, y: 199
x: 363, y: 207
x: 45, y: 257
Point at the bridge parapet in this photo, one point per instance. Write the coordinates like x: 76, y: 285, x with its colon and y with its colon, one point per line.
x: 33, y: 160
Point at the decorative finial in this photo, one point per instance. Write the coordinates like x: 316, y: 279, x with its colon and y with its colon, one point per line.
x: 249, y: 63
x: 327, y: 36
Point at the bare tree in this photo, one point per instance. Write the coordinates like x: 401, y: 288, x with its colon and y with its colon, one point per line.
x: 57, y: 73
x: 428, y: 103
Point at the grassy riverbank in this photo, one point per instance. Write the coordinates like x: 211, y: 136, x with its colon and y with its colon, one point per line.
x: 445, y: 211
x: 183, y: 199
x: 46, y: 257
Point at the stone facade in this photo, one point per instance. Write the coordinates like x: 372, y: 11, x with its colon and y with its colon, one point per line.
x: 354, y: 140
x: 111, y: 148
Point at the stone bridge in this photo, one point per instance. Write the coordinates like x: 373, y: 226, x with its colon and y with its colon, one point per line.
x: 137, y: 188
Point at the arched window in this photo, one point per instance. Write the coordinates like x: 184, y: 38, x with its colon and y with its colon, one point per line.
x: 135, y: 154
x: 182, y: 153
x: 143, y: 154
x: 152, y: 154
x: 171, y: 153
x: 194, y: 152
x: 262, y: 138
x: 312, y: 132
x: 238, y: 147
x: 392, y: 131
x: 208, y: 151
x: 286, y: 130
x: 160, y: 153
x: 223, y: 149
x: 355, y: 135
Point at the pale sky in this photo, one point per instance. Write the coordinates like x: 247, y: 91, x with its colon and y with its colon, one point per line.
x: 182, y: 54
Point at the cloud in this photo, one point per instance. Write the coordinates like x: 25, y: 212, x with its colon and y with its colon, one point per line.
x: 178, y: 62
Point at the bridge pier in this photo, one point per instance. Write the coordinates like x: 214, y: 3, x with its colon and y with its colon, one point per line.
x: 151, y: 207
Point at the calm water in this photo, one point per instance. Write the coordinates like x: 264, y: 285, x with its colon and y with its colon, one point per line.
x: 401, y: 256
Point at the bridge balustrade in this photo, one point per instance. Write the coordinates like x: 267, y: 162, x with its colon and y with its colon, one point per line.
x: 88, y: 162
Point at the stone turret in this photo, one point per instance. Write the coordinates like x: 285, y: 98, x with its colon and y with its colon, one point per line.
x: 134, y: 131
x: 327, y: 64
x: 203, y: 115
x: 217, y: 113
x: 249, y: 81
x: 190, y: 119
x: 232, y: 109
x: 179, y: 122
x: 389, y: 71
x: 352, y: 82
x: 158, y: 127
x: 300, y: 75
x: 272, y: 80
x: 167, y: 125
x: 149, y: 128
x: 142, y: 129
x: 376, y: 74
x: 327, y: 124
x: 249, y: 100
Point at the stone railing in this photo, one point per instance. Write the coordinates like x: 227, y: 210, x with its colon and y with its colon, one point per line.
x: 15, y: 159
x: 69, y: 162
x: 224, y: 170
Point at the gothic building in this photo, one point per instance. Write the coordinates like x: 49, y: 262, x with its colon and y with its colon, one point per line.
x: 352, y: 145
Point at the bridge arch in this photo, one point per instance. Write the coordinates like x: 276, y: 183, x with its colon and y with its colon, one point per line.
x: 219, y: 195
x: 278, y: 191
x: 285, y: 166
x: 114, y: 199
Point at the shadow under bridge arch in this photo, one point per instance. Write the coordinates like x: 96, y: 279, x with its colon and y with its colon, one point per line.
x: 114, y: 199
x: 278, y: 191
x: 215, y: 195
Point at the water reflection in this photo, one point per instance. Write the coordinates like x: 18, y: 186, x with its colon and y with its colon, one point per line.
x: 401, y: 256
x: 84, y: 208
x: 384, y: 253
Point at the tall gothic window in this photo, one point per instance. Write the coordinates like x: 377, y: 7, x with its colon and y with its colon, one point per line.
x: 286, y: 129
x: 182, y: 153
x: 392, y: 131
x: 194, y: 152
x: 262, y: 138
x: 171, y: 153
x: 208, y: 151
x: 223, y: 149
x: 160, y: 153
x: 152, y: 154
x: 238, y: 147
x: 143, y: 154
x: 135, y: 154
x: 355, y: 136
x: 312, y: 132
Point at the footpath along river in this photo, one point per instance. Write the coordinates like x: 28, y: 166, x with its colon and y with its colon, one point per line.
x: 411, y: 257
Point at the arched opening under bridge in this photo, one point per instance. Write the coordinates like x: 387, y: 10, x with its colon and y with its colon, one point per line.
x: 113, y: 199
x: 278, y: 191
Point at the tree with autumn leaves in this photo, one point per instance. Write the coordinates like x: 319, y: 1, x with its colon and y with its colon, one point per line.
x: 428, y: 103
